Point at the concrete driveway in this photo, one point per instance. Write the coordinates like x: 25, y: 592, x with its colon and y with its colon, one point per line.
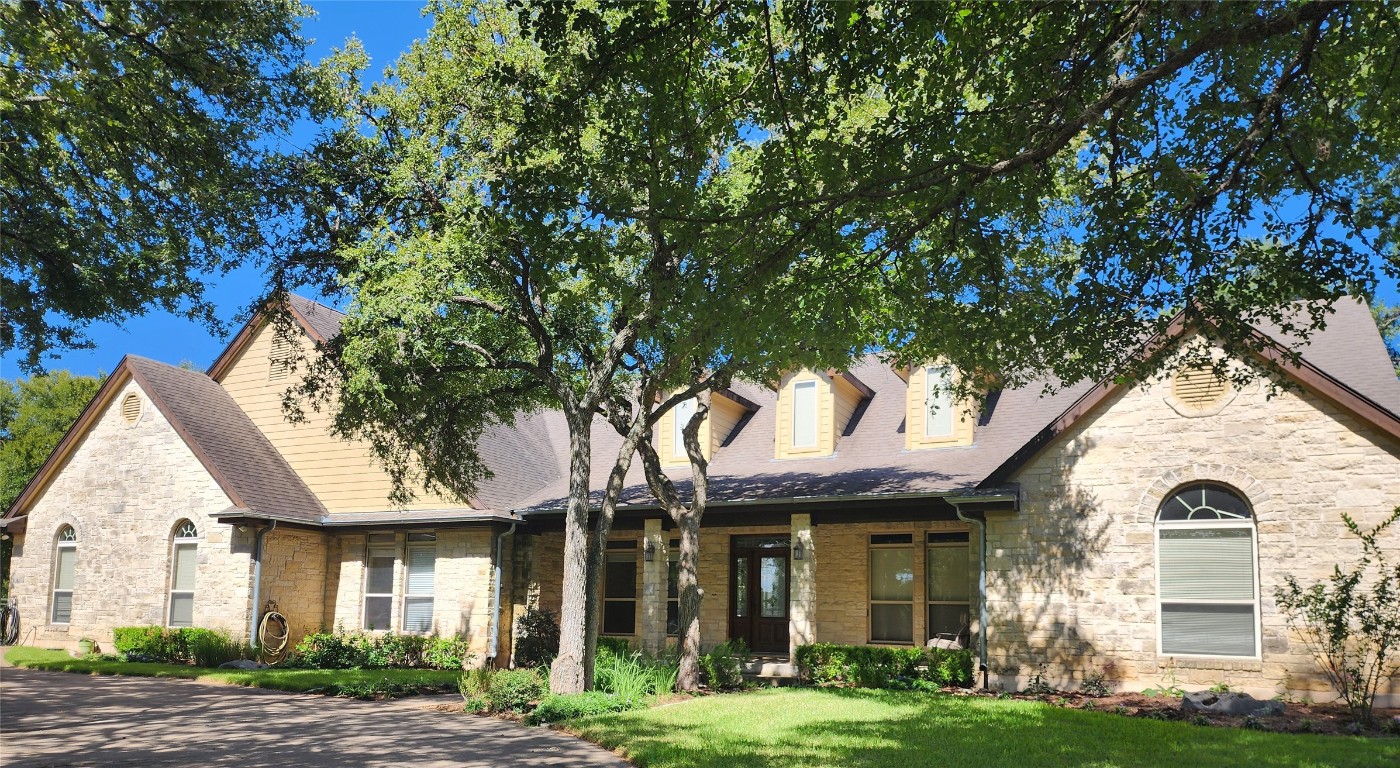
x: 62, y: 719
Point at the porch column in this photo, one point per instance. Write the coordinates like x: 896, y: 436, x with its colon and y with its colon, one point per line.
x: 802, y: 605
x: 654, y: 587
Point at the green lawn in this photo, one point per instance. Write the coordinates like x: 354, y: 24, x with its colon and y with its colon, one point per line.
x: 845, y: 727
x: 366, y: 682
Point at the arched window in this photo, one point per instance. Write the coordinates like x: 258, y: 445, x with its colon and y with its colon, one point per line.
x: 1207, y: 590
x: 65, y: 562
x: 182, y: 568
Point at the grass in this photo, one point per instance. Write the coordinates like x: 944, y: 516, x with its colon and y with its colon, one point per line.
x: 876, y: 728
x: 364, y: 683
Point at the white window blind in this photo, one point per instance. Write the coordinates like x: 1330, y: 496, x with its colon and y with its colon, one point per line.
x: 418, y: 592
x: 1206, y: 587
x: 938, y: 403
x: 65, y: 568
x: 804, y: 414
x: 182, y: 572
x: 683, y: 412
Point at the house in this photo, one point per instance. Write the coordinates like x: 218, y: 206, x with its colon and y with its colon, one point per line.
x: 1138, y: 530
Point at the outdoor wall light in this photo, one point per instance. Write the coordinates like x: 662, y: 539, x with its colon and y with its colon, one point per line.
x: 649, y: 552
x: 798, y: 552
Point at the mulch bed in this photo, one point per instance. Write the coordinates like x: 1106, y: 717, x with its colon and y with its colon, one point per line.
x: 1330, y: 718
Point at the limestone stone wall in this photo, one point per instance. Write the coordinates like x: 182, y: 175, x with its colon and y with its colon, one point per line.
x: 1072, y: 579
x: 294, y: 575
x: 123, y: 489
x: 463, y: 585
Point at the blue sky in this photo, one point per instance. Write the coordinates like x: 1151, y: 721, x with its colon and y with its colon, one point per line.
x: 386, y: 28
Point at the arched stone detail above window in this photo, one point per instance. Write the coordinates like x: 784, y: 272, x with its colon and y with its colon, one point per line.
x: 1224, y: 474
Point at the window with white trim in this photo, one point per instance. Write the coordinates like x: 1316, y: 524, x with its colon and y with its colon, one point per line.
x: 683, y: 411
x: 938, y: 402
x: 379, y: 581
x: 620, y: 589
x: 418, y: 582
x: 804, y: 414
x: 65, y: 563
x: 183, y: 558
x: 947, y: 584
x: 1207, y: 585
x: 892, y: 588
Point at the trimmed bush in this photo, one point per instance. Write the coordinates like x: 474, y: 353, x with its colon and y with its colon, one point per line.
x: 514, y: 690
x: 361, y: 650
x: 618, y: 646
x: 866, y: 666
x: 537, y: 638
x: 558, y: 708
x: 950, y: 666
x: 187, y: 645
x: 720, y: 667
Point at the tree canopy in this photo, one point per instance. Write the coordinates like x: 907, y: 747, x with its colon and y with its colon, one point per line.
x: 139, y: 155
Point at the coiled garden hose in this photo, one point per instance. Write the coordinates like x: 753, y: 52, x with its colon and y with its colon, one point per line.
x: 272, y: 636
x: 9, y: 623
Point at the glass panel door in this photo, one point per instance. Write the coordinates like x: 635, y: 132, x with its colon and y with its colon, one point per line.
x: 772, y: 586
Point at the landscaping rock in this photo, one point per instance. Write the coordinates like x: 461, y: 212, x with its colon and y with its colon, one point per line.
x: 243, y: 664
x: 1230, y: 703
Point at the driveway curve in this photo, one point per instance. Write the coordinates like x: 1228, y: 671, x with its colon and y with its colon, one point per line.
x: 64, y: 719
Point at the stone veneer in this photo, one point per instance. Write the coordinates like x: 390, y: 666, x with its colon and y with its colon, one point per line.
x: 123, y: 489
x: 1072, y: 578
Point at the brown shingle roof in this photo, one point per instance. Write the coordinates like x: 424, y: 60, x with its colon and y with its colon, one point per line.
x: 231, y: 447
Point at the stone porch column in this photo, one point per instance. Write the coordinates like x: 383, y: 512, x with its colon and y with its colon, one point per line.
x: 654, y: 587
x: 802, y: 605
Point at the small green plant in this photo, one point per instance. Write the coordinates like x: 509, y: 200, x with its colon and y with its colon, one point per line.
x: 1220, y: 688
x: 1306, y: 725
x: 1168, y: 688
x: 1353, y: 633
x: 1253, y: 723
x: 558, y: 708
x: 1037, y: 685
x: 1200, y: 720
x: 1003, y: 695
x: 1090, y: 704
x: 537, y: 638
x: 720, y: 668
x: 1120, y: 710
x: 1095, y: 683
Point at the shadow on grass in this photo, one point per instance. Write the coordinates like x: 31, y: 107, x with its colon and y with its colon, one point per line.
x: 832, y: 727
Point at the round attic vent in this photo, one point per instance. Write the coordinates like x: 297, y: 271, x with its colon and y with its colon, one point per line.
x: 131, y: 408
x: 1199, y: 387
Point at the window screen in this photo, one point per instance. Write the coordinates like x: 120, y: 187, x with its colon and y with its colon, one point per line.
x: 620, y: 594
x: 892, y: 593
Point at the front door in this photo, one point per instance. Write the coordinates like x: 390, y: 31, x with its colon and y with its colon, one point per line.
x: 758, y: 593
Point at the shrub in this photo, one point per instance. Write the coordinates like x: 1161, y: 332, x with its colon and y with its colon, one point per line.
x: 1351, y: 632
x: 360, y: 650
x: 1094, y: 684
x: 187, y: 645
x: 950, y: 666
x: 537, y: 638
x: 618, y: 646
x: 864, y: 665
x: 720, y: 668
x: 514, y: 690
x: 557, y: 708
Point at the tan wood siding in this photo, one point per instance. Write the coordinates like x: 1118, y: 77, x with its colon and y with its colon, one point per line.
x: 342, y: 473
x: 826, y: 417
x: 964, y: 417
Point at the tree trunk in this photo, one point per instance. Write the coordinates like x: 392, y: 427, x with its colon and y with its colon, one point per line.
x: 598, y: 543
x: 567, y: 673
x: 690, y: 596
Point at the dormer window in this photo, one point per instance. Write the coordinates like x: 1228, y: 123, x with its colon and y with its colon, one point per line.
x: 934, y: 418
x: 683, y: 412
x: 938, y: 402
x: 804, y: 414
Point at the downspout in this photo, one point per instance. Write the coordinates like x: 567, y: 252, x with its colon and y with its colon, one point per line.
x: 981, y: 590
x: 496, y: 598
x: 257, y: 582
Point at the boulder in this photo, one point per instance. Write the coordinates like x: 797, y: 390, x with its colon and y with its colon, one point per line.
x: 1229, y: 703
x: 243, y: 664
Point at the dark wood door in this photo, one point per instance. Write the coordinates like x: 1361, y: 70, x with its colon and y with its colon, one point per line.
x: 758, y: 598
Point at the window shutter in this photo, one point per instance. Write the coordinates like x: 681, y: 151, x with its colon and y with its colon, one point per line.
x: 1207, y: 564
x: 420, y: 570
x: 67, y: 563
x: 804, y: 414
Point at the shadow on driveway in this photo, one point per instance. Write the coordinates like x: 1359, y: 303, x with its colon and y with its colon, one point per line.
x: 64, y: 719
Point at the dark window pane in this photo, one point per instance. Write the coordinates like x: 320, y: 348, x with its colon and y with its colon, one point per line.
x: 377, y: 612
x: 892, y: 538
x: 621, y: 579
x: 619, y: 617
x: 673, y: 579
x: 741, y: 587
x: 947, y: 538
x: 761, y: 542
x: 1204, y: 502
x: 948, y: 620
x: 673, y: 617
x: 892, y: 623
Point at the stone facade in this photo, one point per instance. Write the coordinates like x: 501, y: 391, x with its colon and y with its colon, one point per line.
x: 124, y: 488
x: 294, y: 576
x: 1072, y: 578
